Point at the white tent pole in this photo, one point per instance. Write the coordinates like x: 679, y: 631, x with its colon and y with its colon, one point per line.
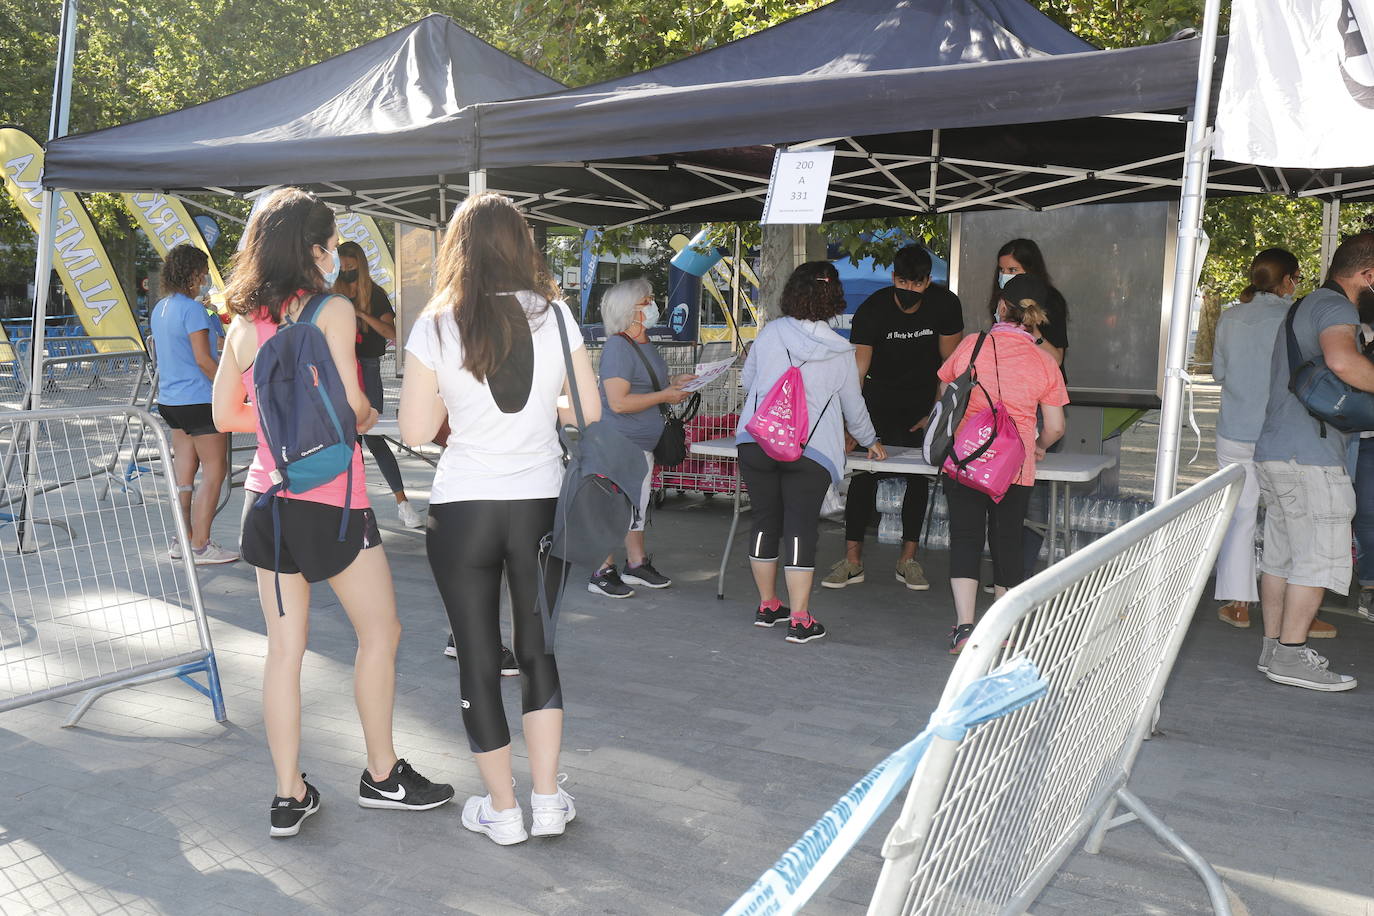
x: 1199, y: 145
x: 57, y: 127
x: 1331, y: 234
x: 477, y: 182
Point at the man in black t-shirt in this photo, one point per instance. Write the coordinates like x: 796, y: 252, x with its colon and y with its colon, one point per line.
x: 901, y: 334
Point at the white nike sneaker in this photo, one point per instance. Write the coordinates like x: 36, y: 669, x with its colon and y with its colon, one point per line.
x: 550, y: 814
x: 504, y: 828
x: 409, y: 517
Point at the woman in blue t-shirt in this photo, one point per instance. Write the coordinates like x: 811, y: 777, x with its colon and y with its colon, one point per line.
x: 186, y: 339
x: 635, y: 385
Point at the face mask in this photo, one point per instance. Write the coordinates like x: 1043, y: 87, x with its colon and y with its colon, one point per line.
x: 333, y: 273
x: 651, y: 315
x: 349, y: 276
x: 1004, y: 279
x: 205, y: 287
x: 908, y: 298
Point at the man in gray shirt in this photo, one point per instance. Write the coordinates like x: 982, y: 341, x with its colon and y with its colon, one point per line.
x: 1308, y: 498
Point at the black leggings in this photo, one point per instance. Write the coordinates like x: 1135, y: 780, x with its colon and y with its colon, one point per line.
x: 786, y: 497
x: 862, y: 500
x: 381, y: 451
x: 975, y: 519
x: 469, y: 545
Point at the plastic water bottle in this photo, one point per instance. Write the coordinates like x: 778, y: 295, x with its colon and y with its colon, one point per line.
x: 890, y: 529
x: 891, y: 492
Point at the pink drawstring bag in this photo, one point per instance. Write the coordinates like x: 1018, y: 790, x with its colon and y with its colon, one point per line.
x: 779, y: 423
x: 992, y: 452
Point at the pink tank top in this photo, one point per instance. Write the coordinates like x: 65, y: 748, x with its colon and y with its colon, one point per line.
x: 329, y: 494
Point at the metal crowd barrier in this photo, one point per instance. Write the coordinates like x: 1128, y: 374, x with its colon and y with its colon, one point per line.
x: 92, y: 603
x: 989, y: 819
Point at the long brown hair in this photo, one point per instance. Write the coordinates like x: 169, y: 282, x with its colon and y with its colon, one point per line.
x: 362, y: 287
x: 488, y: 250
x: 277, y: 257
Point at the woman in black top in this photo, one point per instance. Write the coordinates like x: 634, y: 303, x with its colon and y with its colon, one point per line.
x: 376, y: 328
x: 1022, y: 256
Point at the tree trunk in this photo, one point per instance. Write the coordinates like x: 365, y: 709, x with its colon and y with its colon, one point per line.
x: 784, y: 249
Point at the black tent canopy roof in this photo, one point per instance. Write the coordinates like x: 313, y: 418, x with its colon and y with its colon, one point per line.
x: 933, y: 106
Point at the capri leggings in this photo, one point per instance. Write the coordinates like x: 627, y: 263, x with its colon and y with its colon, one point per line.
x: 470, y: 544
x: 786, y: 497
x: 381, y: 451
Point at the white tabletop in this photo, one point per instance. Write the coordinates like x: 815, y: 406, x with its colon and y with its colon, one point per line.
x: 1057, y: 466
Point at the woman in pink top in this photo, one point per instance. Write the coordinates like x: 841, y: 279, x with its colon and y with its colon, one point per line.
x: 1023, y: 378
x: 290, y: 252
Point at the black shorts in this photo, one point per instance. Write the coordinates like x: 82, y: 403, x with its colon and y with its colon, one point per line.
x: 192, y: 419
x: 310, y: 542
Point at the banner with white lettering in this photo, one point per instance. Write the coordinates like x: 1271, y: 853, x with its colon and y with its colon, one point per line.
x: 167, y: 224
x: 79, y: 257
x: 1298, y: 87
x: 354, y: 227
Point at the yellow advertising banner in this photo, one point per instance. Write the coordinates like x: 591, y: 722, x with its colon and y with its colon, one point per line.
x: 78, y: 256
x: 167, y: 224
x: 354, y: 227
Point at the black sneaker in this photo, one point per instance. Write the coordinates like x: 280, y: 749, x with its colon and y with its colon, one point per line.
x: 958, y: 636
x: 509, y: 666
x: 766, y: 618
x: 451, y: 650
x: 813, y: 630
x: 403, y: 789
x: 644, y: 574
x: 287, y: 813
x: 607, y: 582
x: 1365, y: 607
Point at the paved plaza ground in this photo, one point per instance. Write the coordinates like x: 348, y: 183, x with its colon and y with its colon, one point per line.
x: 698, y: 748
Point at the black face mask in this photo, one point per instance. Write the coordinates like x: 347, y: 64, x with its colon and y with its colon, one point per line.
x: 908, y: 298
x: 349, y: 276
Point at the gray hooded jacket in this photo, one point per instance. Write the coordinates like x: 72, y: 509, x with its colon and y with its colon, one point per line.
x: 833, y: 398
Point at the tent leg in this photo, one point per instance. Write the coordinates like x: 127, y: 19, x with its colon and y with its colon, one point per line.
x: 1185, y: 271
x: 1331, y: 232
x: 477, y: 182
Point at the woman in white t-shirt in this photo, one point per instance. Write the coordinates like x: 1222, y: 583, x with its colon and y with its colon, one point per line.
x: 487, y: 356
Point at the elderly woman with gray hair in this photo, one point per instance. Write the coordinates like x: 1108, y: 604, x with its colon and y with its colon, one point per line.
x: 635, y: 386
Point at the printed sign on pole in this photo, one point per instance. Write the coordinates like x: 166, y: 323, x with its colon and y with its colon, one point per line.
x: 798, y: 186
x: 78, y: 256
x: 167, y: 224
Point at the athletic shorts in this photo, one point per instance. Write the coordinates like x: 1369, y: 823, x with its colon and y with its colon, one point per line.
x: 1307, y: 515
x: 310, y: 542
x: 192, y: 419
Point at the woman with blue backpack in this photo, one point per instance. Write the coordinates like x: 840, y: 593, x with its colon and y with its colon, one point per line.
x: 804, y: 393
x: 289, y: 374
x: 488, y: 357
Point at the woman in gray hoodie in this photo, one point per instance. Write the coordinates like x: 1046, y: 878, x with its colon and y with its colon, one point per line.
x: 787, y: 495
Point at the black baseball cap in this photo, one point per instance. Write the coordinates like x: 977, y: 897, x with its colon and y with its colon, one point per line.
x: 1023, y: 287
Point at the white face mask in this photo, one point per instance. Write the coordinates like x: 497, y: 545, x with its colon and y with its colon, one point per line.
x: 332, y: 273
x: 205, y: 288
x: 1004, y: 279
x: 651, y: 315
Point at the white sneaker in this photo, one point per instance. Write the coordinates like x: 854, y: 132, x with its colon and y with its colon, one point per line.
x: 174, y: 550
x: 212, y: 555
x: 409, y: 517
x: 504, y: 828
x: 550, y: 814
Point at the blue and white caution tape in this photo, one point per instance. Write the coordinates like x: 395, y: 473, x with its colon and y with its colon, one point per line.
x: 791, y: 881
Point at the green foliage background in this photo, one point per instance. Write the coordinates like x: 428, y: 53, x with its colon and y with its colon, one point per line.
x: 139, y: 58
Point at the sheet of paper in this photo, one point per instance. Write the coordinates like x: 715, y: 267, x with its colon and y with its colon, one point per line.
x: 707, y: 373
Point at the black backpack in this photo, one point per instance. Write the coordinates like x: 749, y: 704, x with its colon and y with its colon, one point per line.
x: 949, y: 412
x: 602, y: 478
